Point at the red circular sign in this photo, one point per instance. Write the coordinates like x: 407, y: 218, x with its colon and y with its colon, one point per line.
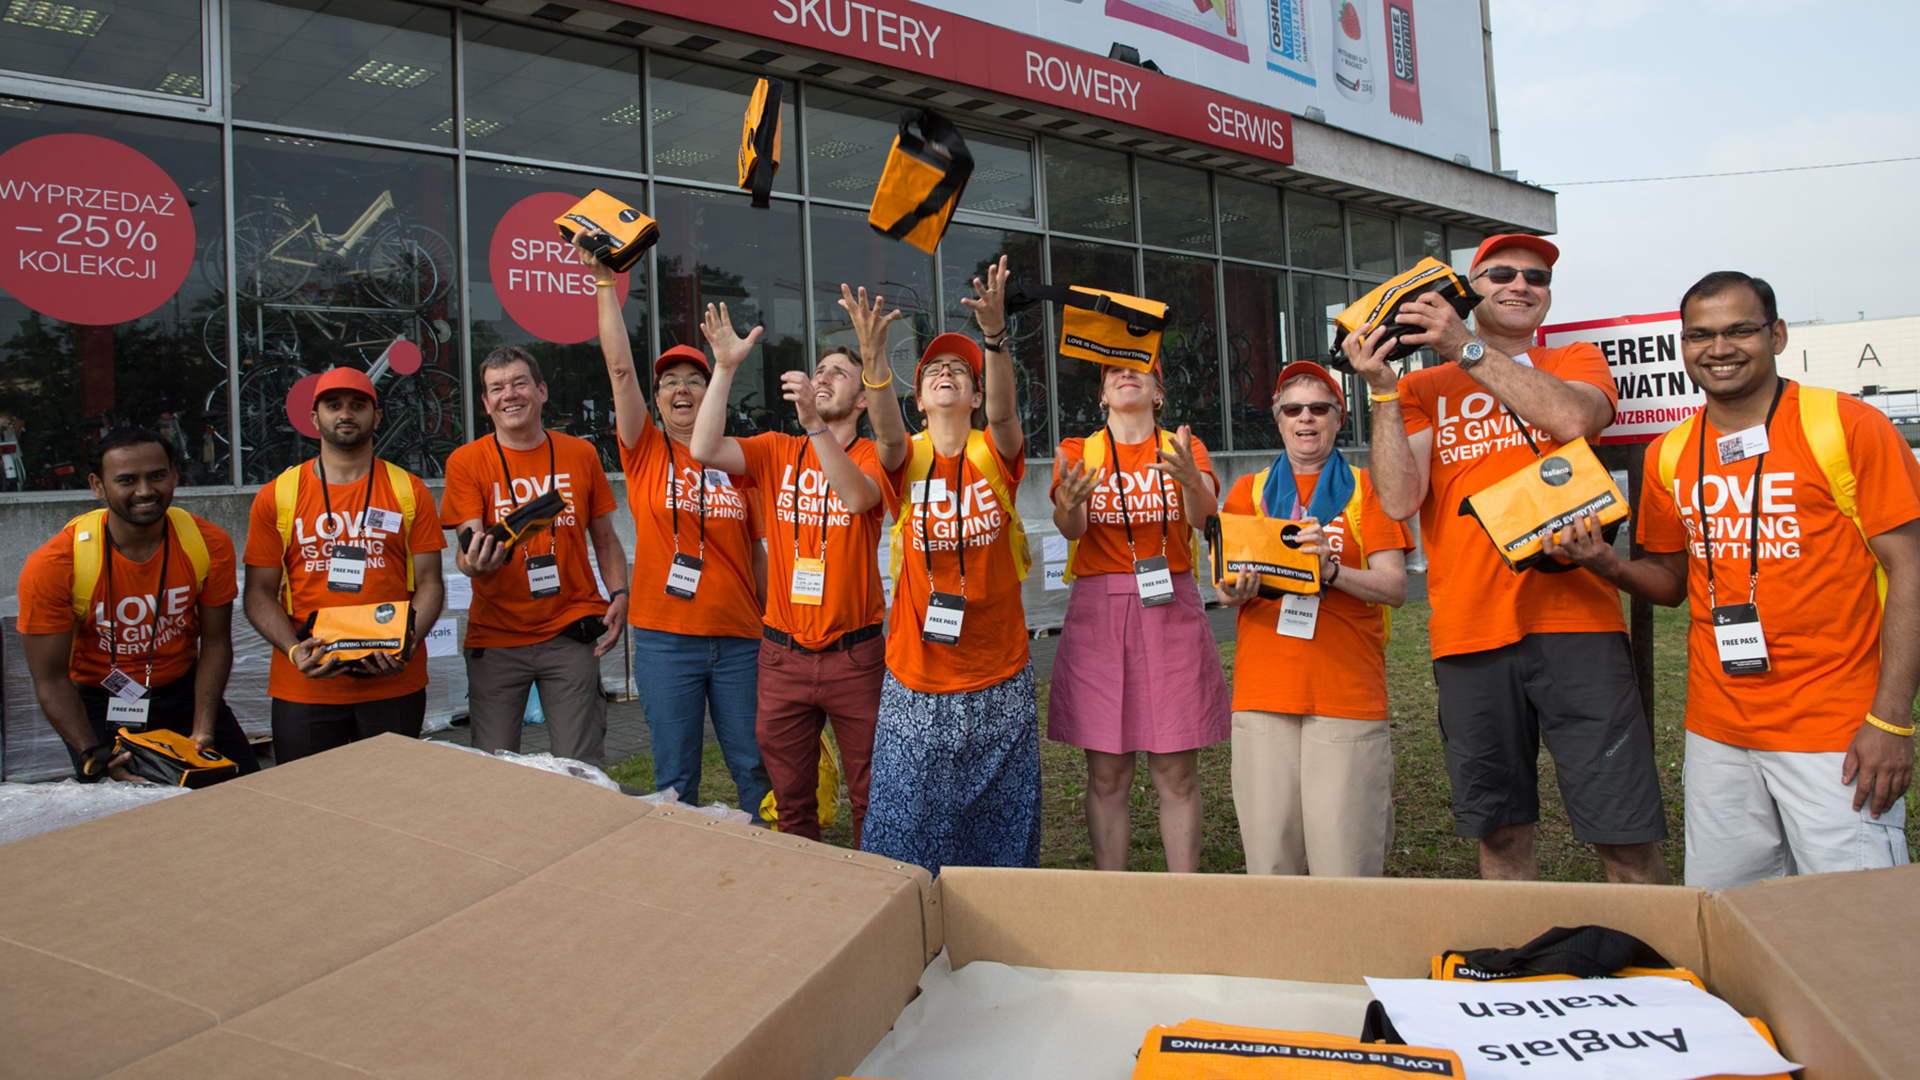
x: 538, y: 276
x: 300, y: 405
x: 404, y: 357
x: 91, y: 230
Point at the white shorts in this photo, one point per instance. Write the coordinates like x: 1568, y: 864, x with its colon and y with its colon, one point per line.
x: 1758, y: 814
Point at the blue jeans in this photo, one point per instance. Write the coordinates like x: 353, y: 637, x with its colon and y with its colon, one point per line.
x: 682, y: 679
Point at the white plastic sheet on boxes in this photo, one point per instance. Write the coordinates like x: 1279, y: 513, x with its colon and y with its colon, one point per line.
x: 29, y: 809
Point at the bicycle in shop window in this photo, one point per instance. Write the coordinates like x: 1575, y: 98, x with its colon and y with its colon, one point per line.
x: 401, y: 263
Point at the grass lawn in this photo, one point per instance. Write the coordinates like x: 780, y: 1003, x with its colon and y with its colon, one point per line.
x: 1424, y: 844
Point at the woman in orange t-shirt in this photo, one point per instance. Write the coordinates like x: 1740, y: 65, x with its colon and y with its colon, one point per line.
x: 1138, y: 667
x: 1312, y: 765
x: 695, y: 611
x: 956, y: 753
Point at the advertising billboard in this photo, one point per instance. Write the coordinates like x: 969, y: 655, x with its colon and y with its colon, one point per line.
x: 1643, y: 352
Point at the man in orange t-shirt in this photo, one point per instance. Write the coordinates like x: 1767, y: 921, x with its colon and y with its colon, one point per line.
x: 1517, y: 658
x: 1800, y: 680
x: 821, y: 654
x: 153, y: 646
x: 538, y: 617
x: 347, y: 542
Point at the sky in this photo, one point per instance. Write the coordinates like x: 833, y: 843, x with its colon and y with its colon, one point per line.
x: 1607, y: 89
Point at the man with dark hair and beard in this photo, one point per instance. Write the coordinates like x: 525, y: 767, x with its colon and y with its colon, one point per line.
x: 340, y: 530
x: 125, y: 615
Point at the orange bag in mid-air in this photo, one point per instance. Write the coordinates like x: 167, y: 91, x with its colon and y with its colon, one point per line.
x: 760, y: 141
x: 628, y: 232
x: 923, y: 181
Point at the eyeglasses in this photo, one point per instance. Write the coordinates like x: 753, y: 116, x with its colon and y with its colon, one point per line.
x: 1736, y: 334
x: 947, y: 367
x: 1504, y: 275
x: 1317, y: 408
x: 675, y: 382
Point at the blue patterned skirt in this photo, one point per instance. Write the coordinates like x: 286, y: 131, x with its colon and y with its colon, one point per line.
x: 956, y: 777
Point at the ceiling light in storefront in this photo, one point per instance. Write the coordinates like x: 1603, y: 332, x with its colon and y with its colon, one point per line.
x: 523, y: 170
x: 1118, y: 198
x: 289, y: 140
x: 16, y: 103
x: 394, y: 73
x: 834, y: 149
x: 854, y: 183
x: 625, y: 114
x: 662, y: 114
x: 681, y: 156
x: 994, y: 176
x: 66, y: 18
x: 176, y: 83
x: 994, y: 206
x: 1108, y: 225
x: 476, y: 127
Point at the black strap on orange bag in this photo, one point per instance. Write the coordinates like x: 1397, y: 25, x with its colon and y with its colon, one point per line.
x: 1584, y: 952
x: 760, y: 141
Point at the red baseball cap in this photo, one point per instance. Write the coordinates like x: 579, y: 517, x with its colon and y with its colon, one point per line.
x: 1536, y: 244
x: 682, y: 354
x: 959, y: 345
x: 1308, y: 367
x: 340, y: 378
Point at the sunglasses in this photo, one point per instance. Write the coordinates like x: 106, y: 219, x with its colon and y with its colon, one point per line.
x: 1504, y: 275
x: 1318, y: 408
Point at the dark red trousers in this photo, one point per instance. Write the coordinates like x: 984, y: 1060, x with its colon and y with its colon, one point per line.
x: 799, y: 694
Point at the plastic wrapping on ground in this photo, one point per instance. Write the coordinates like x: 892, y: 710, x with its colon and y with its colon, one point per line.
x: 580, y: 770
x: 670, y: 797
x: 30, y: 809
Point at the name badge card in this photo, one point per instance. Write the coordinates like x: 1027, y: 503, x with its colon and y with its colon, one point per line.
x: 1743, y: 646
x: 543, y: 576
x: 929, y: 491
x: 809, y: 581
x: 123, y: 686
x: 1742, y: 445
x: 386, y: 521
x: 683, y: 577
x: 1299, y: 614
x: 1155, y: 580
x: 122, y: 713
x: 346, y: 568
x: 944, y: 614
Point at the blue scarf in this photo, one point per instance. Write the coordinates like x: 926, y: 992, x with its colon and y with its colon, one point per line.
x: 1330, y: 494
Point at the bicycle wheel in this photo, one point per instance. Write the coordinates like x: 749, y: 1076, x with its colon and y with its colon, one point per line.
x: 265, y: 334
x: 409, y: 266
x: 273, y: 255
x: 267, y: 436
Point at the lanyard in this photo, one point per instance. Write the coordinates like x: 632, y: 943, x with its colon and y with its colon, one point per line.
x: 959, y: 520
x: 159, y: 594
x: 799, y: 460
x: 326, y: 500
x: 673, y: 497
x: 553, y: 546
x: 1753, y: 526
x: 1126, y: 516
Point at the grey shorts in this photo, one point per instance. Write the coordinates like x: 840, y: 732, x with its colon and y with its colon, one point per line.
x: 1576, y: 691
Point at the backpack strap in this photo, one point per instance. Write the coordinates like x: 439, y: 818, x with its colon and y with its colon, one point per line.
x: 1354, y: 507
x: 1676, y: 441
x: 402, y: 483
x: 286, y: 492
x: 919, y: 458
x: 981, y: 454
x: 194, y: 543
x: 1820, y: 420
x: 89, y: 547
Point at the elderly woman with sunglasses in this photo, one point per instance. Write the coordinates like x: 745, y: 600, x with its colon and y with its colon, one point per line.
x: 1312, y: 764
x: 1138, y: 668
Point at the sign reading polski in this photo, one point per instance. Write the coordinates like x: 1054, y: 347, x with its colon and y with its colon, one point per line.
x: 91, y: 230
x: 538, y: 276
x: 1643, y: 352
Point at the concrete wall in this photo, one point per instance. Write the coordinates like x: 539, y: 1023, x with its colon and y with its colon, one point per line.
x: 1852, y: 355
x: 1321, y: 150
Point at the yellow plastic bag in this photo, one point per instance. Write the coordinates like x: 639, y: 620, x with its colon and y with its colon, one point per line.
x: 828, y: 792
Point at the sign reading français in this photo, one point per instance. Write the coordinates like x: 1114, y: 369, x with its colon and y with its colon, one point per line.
x: 91, y: 230
x: 538, y: 276
x: 1643, y: 352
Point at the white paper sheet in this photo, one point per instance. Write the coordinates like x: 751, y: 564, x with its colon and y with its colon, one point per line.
x: 1599, y: 1029
x: 444, y: 639
x: 459, y: 591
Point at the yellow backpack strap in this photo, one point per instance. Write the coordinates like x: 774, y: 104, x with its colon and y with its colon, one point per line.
x: 1259, y: 492
x: 1820, y: 420
x: 984, y: 459
x: 89, y: 545
x: 1353, y: 510
x: 919, y: 457
x: 402, y: 483
x: 1677, y: 440
x: 1093, y: 453
x: 286, y: 492
x: 194, y: 543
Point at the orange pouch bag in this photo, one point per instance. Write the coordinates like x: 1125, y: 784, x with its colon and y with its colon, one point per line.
x: 1264, y: 545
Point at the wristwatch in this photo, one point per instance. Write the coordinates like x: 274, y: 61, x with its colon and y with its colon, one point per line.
x: 996, y: 346
x: 93, y: 761
x: 1472, y: 353
x: 615, y: 594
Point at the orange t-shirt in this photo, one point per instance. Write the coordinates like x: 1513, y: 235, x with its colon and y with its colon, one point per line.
x: 993, y: 630
x: 846, y: 543
x: 505, y: 611
x: 1103, y: 548
x: 725, y: 604
x: 1819, y: 611
x: 1478, y: 603
x: 1342, y: 670
x: 46, y: 605
x: 315, y: 530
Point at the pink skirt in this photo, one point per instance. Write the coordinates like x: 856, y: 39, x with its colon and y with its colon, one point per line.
x: 1128, y: 677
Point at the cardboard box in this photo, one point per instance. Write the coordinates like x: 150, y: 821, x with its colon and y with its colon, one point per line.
x: 393, y: 909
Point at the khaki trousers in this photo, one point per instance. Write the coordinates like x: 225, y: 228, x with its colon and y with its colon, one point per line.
x: 568, y: 674
x: 1313, y: 793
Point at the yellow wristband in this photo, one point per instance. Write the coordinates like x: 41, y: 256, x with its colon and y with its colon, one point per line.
x: 876, y: 386
x: 290, y: 658
x: 1395, y: 396
x: 1884, y: 726
x: 604, y: 284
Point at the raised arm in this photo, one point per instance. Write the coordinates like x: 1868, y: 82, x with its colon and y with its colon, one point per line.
x: 1197, y: 489
x: 853, y: 487
x: 1400, y: 464
x: 629, y: 396
x: 1564, y: 410
x: 710, y: 444
x: 989, y: 304
x: 876, y: 375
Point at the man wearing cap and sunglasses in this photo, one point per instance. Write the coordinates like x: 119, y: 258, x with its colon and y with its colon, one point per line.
x: 340, y: 530
x: 1517, y: 658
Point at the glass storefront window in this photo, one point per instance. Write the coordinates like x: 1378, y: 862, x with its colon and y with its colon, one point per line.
x: 1250, y: 225
x: 847, y: 251
x: 1190, y: 347
x: 847, y: 142
x: 536, y: 94
x: 1313, y: 233
x: 1462, y: 243
x: 1316, y: 300
x: 1002, y: 181
x: 722, y: 251
x: 697, y: 111
x: 1088, y: 191
x: 343, y: 257
x: 527, y: 291
x: 378, y: 68
x: 1256, y: 329
x: 1372, y: 244
x: 1176, y: 206
x: 1077, y: 382
x: 102, y: 315
x: 1421, y: 239
x: 152, y: 45
x: 965, y: 254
